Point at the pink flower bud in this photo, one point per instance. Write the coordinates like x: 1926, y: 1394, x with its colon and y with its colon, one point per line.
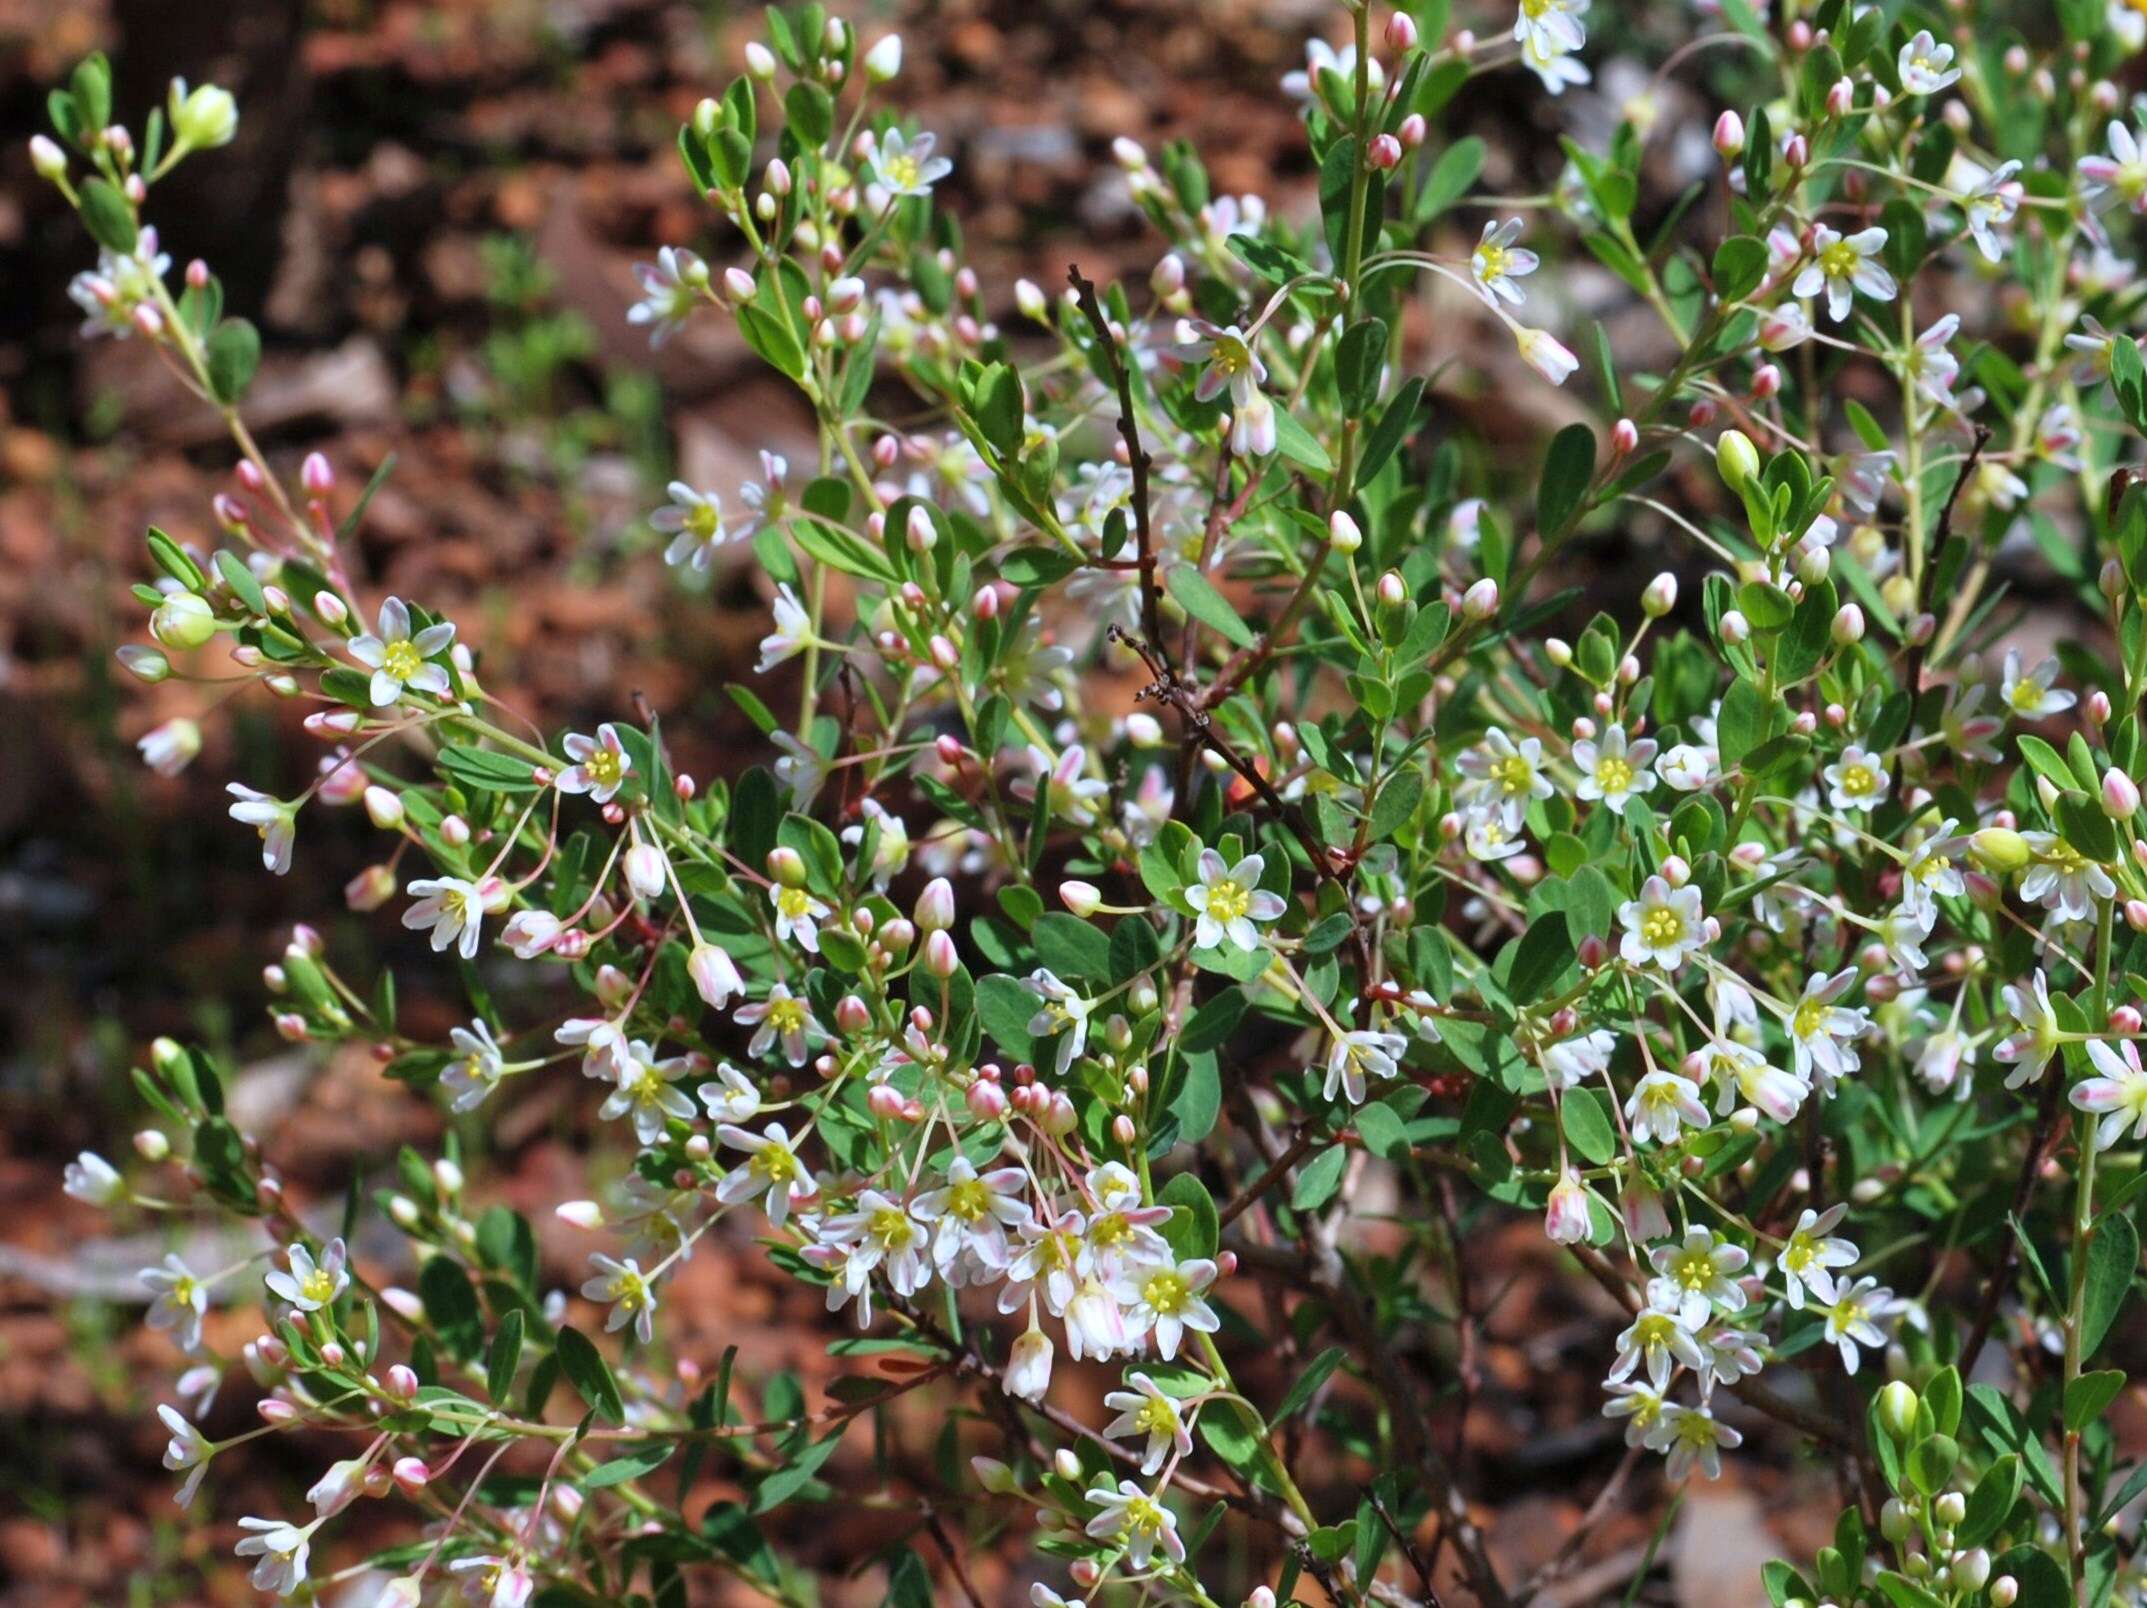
x: 2097, y: 708
x: 1796, y: 152
x: 987, y: 1102
x: 852, y: 1014
x: 1385, y: 152
x: 2125, y: 1019
x: 1624, y: 437
x: 411, y: 1475
x: 1729, y: 135
x: 1593, y: 952
x: 935, y: 906
x: 1480, y: 601
x: 1840, y: 98
x: 941, y: 958
x: 2120, y: 795
x: 1401, y: 31
x: 1123, y: 1129
x: 1412, y: 131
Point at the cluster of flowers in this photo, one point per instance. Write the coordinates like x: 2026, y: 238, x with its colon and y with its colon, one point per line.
x: 1693, y: 933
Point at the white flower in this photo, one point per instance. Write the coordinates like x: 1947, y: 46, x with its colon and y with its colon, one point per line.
x: 180, y: 1302
x: 1697, y: 1276
x: 1061, y: 1014
x: 338, y: 1487
x: 1925, y: 65
x: 1853, y: 1317
x: 907, y: 166
x: 1614, y: 770
x: 1131, y: 1518
x: 1554, y: 69
x: 2029, y: 1049
x: 1147, y: 1410
x: 1542, y: 352
x: 1931, y: 366
x: 601, y: 764
x: 2120, y: 176
x: 1930, y: 873
x: 1743, y: 1074
x: 282, y: 1550
x: 733, y: 1097
x: 1660, y: 1102
x: 309, y: 1285
x: 1841, y: 266
x: 1230, y: 362
x: 1691, y: 1435
x: 1989, y: 198
x: 1732, y: 1354
x: 2036, y: 695
x: 2118, y: 1096
x: 671, y: 287
x: 1358, y: 1053
x: 1497, y: 262
x: 1689, y: 768
x: 1573, y: 1061
x: 970, y: 1215
x: 1552, y: 25
x: 879, y: 1235
x: 1028, y: 1364
x: 1662, y: 926
x: 797, y: 917
x: 89, y: 1177
x: 275, y: 820
x: 2126, y: 23
x: 1252, y: 429
x: 1488, y: 838
x: 1228, y: 900
x: 624, y: 1288
x: 890, y: 841
x: 2063, y: 879
x: 781, y: 1018
x: 399, y: 660
x: 1167, y: 1300
x: 601, y: 1041
x: 1823, y: 1032
x: 793, y: 631
x: 647, y: 1091
x: 493, y: 1582
x: 477, y: 1071
x: 530, y: 933
x: 1808, y: 1261
x: 188, y: 1449
x: 170, y: 748
x: 1500, y: 774
x: 1660, y: 1337
x: 1640, y: 1406
x: 694, y: 522
x: 452, y: 909
x: 771, y: 1170
x: 1321, y: 57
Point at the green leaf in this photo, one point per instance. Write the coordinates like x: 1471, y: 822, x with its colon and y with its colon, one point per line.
x: 1212, y: 1023
x: 2112, y: 1255
x: 240, y: 579
x: 810, y: 111
x: 1318, y: 1179
x: 1740, y: 264
x: 451, y: 1307
x: 785, y: 1483
x: 1006, y: 1009
x: 1358, y: 362
x: 2088, y: 1396
x: 1765, y: 607
x: 1317, y: 1372
x: 1295, y: 443
x: 108, y: 218
x: 233, y: 357
x: 1071, y: 948
x: 1000, y: 410
x: 1989, y: 1502
x: 1567, y: 470
x: 630, y: 1464
x: 1192, y: 1229
x: 483, y: 769
x: 1198, y: 597
x: 505, y: 1357
x: 589, y: 1373
x: 1450, y: 177
x: 1540, y: 957
x: 1587, y: 1126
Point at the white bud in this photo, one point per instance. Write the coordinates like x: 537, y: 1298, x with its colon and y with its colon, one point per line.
x: 884, y: 60
x: 1342, y: 532
x: 1480, y: 601
x: 759, y: 60
x: 1848, y: 625
x: 1660, y: 597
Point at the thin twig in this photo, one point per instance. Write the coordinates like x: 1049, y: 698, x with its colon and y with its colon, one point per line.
x: 2046, y: 1113
x: 1137, y: 458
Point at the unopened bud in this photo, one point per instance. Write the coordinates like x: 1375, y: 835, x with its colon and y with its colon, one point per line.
x: 1342, y: 532
x: 1480, y: 601
x: 1735, y: 627
x: 1848, y: 626
x: 1660, y: 597
x: 2120, y: 795
x: 1729, y: 135
x: 1736, y: 459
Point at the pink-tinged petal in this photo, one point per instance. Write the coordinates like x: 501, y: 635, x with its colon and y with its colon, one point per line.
x: 394, y: 620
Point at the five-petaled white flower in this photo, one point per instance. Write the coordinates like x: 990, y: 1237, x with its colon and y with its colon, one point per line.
x: 671, y: 287
x: 477, y: 1068
x: 771, y: 1170
x: 1925, y: 65
x: 2034, y: 695
x: 1133, y: 1519
x: 1358, y: 1054
x: 309, y: 1285
x: 694, y: 522
x: 187, y: 1449
x: 1696, y: 1276
x: 400, y: 661
x: 797, y: 917
x: 1062, y: 1015
x: 1148, y: 1410
x: 1841, y: 266
x: 282, y: 1550
x: 781, y: 1018
x: 906, y: 166
x: 624, y: 1288
x: 1227, y: 900
x: 1692, y: 1436
x: 1807, y: 1262
x: 601, y: 764
x: 2118, y: 1095
x: 1230, y: 363
x: 1661, y: 1103
x: 180, y: 1301
x: 2028, y: 1049
x: 1662, y: 926
x: 1853, y: 1316
x: 648, y: 1092
x: 1823, y: 1033
x: 452, y: 909
x: 793, y: 631
x: 2120, y: 177
x: 1615, y: 769
x: 275, y: 819
x: 1497, y: 262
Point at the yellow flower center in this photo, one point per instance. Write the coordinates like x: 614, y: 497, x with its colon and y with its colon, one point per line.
x: 401, y: 660
x: 1490, y: 260
x: 901, y: 172
x: 1662, y: 927
x: 1806, y: 1021
x: 774, y: 1164
x: 1859, y: 781
x: 1695, y: 1270
x: 786, y: 1015
x: 1839, y: 260
x: 890, y: 1226
x: 1612, y: 774
x: 318, y: 1286
x: 632, y: 1292
x: 1157, y: 1416
x: 703, y: 522
x: 1144, y: 1515
x: 604, y: 766
x: 1513, y: 774
x: 1934, y: 866
x: 2027, y: 694
x: 968, y: 1199
x: 1227, y: 901
x: 1165, y: 1291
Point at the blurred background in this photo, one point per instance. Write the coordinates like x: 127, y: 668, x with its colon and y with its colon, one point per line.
x: 432, y: 211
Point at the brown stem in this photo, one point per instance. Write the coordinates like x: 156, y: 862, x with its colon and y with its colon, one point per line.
x: 2046, y: 1115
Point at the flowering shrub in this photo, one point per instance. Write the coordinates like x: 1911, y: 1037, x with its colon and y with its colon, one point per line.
x: 1777, y: 945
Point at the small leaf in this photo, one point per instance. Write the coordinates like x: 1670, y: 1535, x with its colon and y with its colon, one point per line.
x: 233, y: 357
x: 1198, y: 597
x: 1566, y: 473
x: 589, y: 1373
x: 2112, y: 1255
